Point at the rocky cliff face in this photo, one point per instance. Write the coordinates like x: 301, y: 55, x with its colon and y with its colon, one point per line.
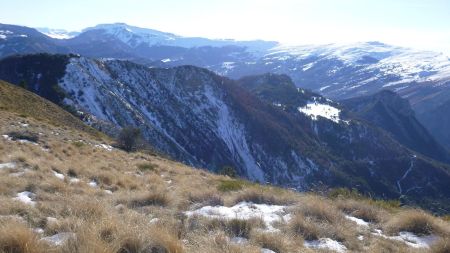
x: 394, y: 114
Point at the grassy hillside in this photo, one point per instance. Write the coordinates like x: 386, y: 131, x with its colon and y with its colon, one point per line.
x: 67, y: 190
x: 27, y: 104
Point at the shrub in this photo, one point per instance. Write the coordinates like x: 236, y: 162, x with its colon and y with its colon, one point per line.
x: 130, y: 139
x: 72, y: 173
x: 228, y: 171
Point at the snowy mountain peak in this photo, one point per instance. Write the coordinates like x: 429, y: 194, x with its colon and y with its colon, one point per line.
x: 122, y: 28
x: 135, y: 36
x: 57, y: 33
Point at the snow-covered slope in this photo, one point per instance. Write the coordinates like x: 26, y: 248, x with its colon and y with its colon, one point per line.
x: 343, y: 71
x: 407, y: 64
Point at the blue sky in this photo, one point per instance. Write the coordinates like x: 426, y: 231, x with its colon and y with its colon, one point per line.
x: 423, y: 24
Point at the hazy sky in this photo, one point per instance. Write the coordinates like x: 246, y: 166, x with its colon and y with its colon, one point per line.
x: 423, y: 24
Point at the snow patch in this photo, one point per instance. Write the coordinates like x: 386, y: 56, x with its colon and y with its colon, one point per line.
x: 93, y: 184
x: 244, y: 211
x: 410, y: 239
x: 26, y: 197
x: 264, y: 250
x: 315, y: 109
x: 58, y: 175
x: 326, y: 243
x: 358, y: 221
x: 11, y: 165
x: 74, y: 180
x: 59, y: 239
x: 105, y: 147
x: 239, y: 240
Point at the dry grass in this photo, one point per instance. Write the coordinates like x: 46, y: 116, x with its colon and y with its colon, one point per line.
x: 442, y: 246
x: 17, y: 238
x: 387, y: 246
x: 276, y: 242
x: 418, y: 222
x: 305, y: 227
x: 154, y: 198
x: 319, y: 209
x: 205, y: 198
x: 362, y: 210
x: 260, y: 195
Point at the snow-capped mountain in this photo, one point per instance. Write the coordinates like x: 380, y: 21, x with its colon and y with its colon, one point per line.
x: 136, y: 36
x: 57, y: 33
x: 210, y: 121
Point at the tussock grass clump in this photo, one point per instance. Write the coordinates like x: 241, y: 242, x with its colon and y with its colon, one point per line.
x: 231, y: 185
x: 319, y: 209
x: 317, y: 217
x: 104, y: 178
x: 417, y: 222
x: 232, y: 227
x: 386, y: 245
x: 353, y: 194
x: 16, y: 238
x: 442, y: 246
x: 205, y: 198
x: 277, y: 242
x: 147, y: 167
x: 305, y: 227
x: 84, y: 209
x: 362, y: 210
x: 218, y: 242
x: 240, y: 228
x: 164, y: 241
x: 154, y: 198
x: 261, y: 195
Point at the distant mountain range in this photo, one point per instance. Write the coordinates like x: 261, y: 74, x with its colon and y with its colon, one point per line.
x: 335, y: 71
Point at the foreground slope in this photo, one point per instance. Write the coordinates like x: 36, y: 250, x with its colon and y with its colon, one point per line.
x: 67, y: 190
